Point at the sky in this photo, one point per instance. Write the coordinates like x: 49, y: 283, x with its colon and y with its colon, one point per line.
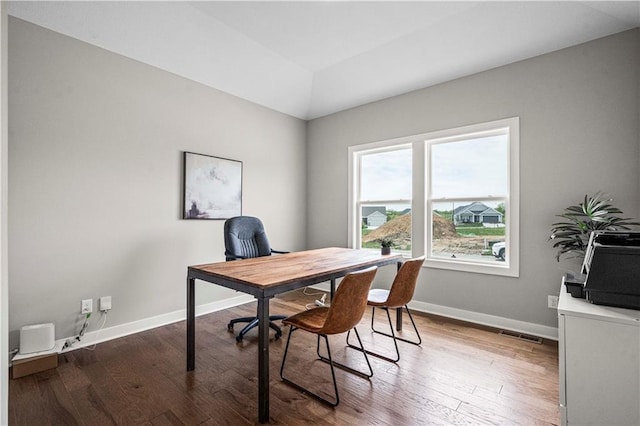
x: 469, y: 168
x: 386, y: 175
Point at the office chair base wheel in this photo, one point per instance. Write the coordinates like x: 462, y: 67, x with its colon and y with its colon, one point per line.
x: 230, y: 327
x: 278, y: 335
x: 239, y: 339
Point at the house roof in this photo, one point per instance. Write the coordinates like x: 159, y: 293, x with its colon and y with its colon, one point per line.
x: 476, y: 208
x: 366, y: 211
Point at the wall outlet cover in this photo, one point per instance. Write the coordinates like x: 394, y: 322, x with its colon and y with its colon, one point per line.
x: 86, y: 306
x: 105, y: 303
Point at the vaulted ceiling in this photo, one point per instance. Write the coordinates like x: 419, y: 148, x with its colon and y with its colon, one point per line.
x: 309, y: 59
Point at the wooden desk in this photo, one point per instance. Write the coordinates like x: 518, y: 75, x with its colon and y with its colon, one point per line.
x: 265, y: 277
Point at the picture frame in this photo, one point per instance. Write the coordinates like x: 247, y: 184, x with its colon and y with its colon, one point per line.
x: 212, y: 187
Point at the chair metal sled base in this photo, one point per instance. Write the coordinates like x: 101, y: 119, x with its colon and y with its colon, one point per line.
x: 392, y: 335
x: 329, y: 361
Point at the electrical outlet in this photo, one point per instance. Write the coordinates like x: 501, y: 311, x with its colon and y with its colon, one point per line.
x: 552, y: 302
x: 105, y: 303
x: 87, y: 306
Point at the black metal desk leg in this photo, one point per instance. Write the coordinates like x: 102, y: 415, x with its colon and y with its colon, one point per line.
x: 399, y: 310
x: 399, y: 319
x: 333, y: 288
x: 191, y: 324
x: 263, y: 359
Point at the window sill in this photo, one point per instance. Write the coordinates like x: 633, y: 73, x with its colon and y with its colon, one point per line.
x: 499, y: 268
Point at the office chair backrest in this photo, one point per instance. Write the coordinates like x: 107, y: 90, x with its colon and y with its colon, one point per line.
x: 349, y: 302
x: 244, y: 237
x: 404, y: 283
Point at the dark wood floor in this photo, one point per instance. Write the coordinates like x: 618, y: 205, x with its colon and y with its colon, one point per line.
x: 462, y: 374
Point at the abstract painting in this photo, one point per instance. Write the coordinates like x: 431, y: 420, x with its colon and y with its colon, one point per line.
x: 212, y: 187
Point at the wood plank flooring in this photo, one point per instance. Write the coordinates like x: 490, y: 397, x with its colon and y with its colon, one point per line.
x: 462, y: 374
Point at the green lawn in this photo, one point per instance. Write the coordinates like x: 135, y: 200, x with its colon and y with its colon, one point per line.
x: 479, y: 230
x: 467, y: 229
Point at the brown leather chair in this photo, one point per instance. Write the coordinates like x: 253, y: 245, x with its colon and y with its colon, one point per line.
x: 347, y: 308
x: 398, y: 296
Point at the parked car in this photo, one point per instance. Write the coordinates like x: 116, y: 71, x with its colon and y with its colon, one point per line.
x: 498, y: 250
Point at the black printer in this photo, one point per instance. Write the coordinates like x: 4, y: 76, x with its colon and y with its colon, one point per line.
x: 612, y: 268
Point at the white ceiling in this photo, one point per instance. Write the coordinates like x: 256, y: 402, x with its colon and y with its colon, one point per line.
x: 309, y: 59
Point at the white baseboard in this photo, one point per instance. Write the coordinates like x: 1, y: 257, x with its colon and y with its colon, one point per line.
x: 108, y: 333
x: 478, y: 318
x: 488, y: 320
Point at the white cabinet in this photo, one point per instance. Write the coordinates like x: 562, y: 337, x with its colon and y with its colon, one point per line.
x: 599, y: 355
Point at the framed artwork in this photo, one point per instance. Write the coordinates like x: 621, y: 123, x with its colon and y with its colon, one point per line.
x: 212, y: 187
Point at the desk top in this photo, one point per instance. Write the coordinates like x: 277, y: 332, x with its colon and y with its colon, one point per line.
x: 269, y: 271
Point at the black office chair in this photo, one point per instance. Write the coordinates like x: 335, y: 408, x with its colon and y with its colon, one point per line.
x: 244, y: 237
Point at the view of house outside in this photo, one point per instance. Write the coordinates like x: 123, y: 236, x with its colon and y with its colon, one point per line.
x: 467, y: 230
x: 456, y: 234
x: 387, y: 222
x: 468, y: 180
x: 385, y: 198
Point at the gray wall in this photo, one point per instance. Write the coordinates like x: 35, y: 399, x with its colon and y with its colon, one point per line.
x: 95, y: 142
x: 4, y: 276
x: 578, y: 112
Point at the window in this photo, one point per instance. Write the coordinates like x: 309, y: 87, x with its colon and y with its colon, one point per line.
x: 382, y: 197
x: 451, y: 195
x: 470, y: 188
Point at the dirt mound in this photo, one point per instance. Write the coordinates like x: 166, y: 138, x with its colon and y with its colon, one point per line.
x: 397, y: 229
x: 445, y: 238
x: 443, y: 228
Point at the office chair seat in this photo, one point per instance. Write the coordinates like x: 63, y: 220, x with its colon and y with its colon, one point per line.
x: 378, y: 297
x: 312, y: 320
x: 346, y: 310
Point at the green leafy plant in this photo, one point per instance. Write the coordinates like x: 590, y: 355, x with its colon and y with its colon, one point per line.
x: 385, y: 242
x: 571, y: 236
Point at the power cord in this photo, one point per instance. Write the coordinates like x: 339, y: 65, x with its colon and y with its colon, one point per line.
x: 104, y: 315
x: 319, y: 303
x: 306, y: 293
x: 70, y: 342
x: 78, y: 338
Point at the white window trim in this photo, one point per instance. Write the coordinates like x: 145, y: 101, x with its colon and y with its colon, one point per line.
x: 420, y: 206
x: 354, y: 210
x: 512, y: 200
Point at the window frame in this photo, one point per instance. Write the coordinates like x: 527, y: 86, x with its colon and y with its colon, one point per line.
x: 355, y: 202
x: 421, y: 201
x: 511, y: 128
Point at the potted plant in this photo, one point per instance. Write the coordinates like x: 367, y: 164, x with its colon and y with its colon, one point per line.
x: 571, y: 236
x: 386, y: 244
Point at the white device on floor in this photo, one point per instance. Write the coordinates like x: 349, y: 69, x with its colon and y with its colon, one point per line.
x: 37, y: 338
